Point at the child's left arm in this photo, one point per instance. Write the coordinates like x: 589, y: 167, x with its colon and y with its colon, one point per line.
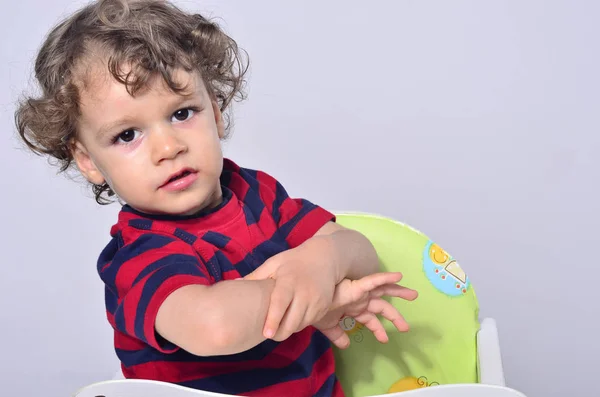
x: 363, y: 300
x: 306, y: 277
x: 354, y: 256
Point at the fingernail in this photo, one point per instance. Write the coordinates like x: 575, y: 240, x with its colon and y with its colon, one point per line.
x: 269, y: 333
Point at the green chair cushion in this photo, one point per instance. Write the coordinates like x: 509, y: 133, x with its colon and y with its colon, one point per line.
x: 440, y: 347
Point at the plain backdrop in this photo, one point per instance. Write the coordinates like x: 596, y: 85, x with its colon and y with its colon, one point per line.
x: 473, y: 121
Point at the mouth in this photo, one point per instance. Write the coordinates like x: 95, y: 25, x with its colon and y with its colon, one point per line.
x: 179, y: 175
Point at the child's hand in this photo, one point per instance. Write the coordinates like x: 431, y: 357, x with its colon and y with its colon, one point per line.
x: 362, y: 300
x: 303, y: 293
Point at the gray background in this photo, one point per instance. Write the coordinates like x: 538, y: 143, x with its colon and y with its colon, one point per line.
x: 474, y: 121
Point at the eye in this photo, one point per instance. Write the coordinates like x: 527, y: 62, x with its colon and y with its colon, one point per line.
x: 183, y: 114
x: 126, y: 136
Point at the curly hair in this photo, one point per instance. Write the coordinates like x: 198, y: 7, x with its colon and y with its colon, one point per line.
x: 152, y: 38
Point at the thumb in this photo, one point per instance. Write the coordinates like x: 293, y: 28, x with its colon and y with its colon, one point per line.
x: 264, y: 271
x: 337, y: 336
x: 342, y: 295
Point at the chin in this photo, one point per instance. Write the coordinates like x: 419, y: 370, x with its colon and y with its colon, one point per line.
x: 190, y: 211
x: 187, y: 209
x: 183, y: 204
x: 173, y: 209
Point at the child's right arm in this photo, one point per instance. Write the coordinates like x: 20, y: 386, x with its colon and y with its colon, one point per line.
x: 229, y: 317
x: 160, y: 292
x: 225, y: 318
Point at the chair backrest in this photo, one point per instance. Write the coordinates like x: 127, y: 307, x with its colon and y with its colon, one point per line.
x: 441, y: 347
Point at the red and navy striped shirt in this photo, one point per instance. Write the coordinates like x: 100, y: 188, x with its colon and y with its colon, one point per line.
x: 149, y: 257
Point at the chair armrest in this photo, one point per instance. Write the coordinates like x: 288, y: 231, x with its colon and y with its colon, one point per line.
x: 489, y: 358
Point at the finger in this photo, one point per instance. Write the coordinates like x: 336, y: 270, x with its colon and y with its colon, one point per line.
x: 389, y: 312
x: 281, y: 298
x: 371, y: 321
x: 372, y: 281
x: 292, y: 320
x: 349, y: 291
x: 337, y: 336
x: 315, y: 312
x: 264, y: 271
x: 395, y: 290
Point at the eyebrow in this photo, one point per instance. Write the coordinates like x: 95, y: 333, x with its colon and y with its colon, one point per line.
x: 122, y: 123
x: 111, y: 127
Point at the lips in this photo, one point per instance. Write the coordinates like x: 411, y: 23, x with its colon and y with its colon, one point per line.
x: 178, y: 175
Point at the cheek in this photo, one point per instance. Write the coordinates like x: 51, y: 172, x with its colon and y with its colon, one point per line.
x: 217, y: 153
x: 114, y: 170
x: 106, y: 174
x: 209, y: 144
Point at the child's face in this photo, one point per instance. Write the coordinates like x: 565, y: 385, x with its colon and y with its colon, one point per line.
x: 159, y: 151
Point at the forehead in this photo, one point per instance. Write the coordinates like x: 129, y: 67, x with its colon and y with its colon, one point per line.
x: 97, y: 84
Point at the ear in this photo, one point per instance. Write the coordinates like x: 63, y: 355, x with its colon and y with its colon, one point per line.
x: 86, y: 165
x: 218, y: 119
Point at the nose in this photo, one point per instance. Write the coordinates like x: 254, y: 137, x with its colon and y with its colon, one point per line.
x: 166, y: 145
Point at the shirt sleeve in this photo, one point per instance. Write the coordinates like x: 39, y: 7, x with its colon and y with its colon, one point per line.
x: 139, y: 273
x: 298, y: 219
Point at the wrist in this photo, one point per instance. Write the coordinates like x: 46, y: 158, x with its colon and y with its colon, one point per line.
x: 325, y: 250
x: 340, y: 245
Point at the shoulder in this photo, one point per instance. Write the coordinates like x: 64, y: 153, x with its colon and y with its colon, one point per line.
x: 241, y: 179
x: 139, y: 243
x: 134, y: 228
x: 297, y: 218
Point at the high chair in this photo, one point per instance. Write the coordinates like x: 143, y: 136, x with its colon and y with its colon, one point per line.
x: 448, y: 352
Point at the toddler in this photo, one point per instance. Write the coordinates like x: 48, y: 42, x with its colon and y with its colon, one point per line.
x: 215, y: 278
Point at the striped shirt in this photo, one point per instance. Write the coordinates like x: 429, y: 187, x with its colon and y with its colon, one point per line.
x: 150, y: 256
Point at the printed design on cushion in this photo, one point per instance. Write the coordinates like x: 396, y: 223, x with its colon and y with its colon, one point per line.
x: 353, y: 328
x: 443, y: 271
x: 411, y: 383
